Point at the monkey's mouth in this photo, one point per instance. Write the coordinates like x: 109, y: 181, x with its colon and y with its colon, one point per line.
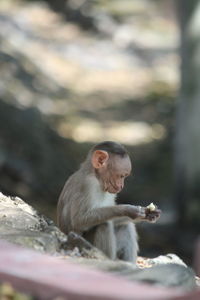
x: 112, y: 188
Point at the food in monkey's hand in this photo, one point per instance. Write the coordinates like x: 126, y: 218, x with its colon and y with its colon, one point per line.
x: 151, y: 207
x: 152, y: 213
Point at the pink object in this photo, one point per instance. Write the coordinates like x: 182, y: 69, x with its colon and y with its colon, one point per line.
x: 47, y: 277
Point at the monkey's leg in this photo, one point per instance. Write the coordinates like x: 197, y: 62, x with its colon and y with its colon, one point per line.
x: 103, y: 237
x: 127, y: 242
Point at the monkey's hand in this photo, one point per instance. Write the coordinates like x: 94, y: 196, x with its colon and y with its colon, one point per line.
x: 137, y: 213
x: 140, y: 213
x: 152, y: 215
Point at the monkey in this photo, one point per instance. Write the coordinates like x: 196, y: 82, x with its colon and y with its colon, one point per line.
x: 87, y: 203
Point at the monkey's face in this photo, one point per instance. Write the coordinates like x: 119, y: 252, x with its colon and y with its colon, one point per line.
x: 113, y: 173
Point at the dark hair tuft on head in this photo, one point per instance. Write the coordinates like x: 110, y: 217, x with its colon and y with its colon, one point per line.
x: 111, y: 147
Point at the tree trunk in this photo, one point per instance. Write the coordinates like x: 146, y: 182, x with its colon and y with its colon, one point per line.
x: 187, y: 143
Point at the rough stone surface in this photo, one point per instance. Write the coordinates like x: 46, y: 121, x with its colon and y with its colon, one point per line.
x: 48, y: 277
x: 23, y: 225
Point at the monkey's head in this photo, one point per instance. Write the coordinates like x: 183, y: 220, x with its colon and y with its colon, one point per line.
x: 112, y: 165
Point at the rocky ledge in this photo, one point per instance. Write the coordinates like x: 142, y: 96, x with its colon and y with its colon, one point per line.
x: 21, y: 224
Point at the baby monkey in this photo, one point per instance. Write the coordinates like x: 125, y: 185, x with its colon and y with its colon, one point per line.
x: 87, y: 203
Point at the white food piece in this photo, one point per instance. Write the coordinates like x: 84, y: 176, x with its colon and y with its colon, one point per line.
x: 151, y: 206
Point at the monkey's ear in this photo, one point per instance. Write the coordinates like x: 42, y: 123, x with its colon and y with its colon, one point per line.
x: 99, y: 158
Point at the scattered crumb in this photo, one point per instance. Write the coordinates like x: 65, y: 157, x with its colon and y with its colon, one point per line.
x: 143, y: 262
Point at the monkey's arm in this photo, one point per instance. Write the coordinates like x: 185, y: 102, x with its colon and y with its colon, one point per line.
x: 96, y: 216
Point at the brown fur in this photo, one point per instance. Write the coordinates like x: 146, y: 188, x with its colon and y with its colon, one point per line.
x: 87, y: 209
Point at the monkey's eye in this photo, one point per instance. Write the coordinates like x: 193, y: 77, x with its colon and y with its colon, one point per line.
x: 126, y: 175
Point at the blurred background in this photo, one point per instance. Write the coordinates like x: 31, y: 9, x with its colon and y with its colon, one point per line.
x: 76, y: 72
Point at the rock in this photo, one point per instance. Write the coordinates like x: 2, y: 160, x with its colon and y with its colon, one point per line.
x: 167, y: 275
x: 167, y: 259
x: 21, y: 224
x: 15, y: 213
